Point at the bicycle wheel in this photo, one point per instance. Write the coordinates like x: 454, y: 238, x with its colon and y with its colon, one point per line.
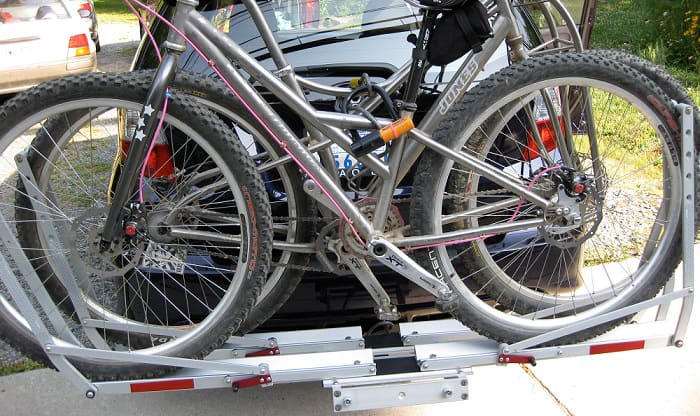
x: 282, y: 185
x: 670, y: 86
x: 291, y: 212
x: 599, y: 141
x: 185, y: 280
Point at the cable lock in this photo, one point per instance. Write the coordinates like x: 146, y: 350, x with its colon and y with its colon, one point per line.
x: 397, y: 128
x: 390, y: 132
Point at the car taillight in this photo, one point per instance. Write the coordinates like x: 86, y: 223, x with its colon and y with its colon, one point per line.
x: 160, y: 161
x: 85, y: 10
x: 546, y: 106
x: 78, y: 45
x: 548, y: 136
x: 6, y: 17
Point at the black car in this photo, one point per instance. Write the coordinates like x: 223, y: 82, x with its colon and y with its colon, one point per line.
x: 332, y: 42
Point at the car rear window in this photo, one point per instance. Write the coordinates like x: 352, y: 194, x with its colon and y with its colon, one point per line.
x: 294, y: 16
x: 305, y: 22
x: 14, y: 11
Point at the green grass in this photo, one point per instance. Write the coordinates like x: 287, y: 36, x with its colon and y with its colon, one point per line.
x: 614, y: 25
x: 27, y: 365
x: 114, y: 11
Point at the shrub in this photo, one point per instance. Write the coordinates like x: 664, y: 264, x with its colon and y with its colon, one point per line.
x: 672, y: 30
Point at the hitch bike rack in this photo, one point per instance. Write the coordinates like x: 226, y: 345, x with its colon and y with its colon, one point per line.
x: 428, y: 362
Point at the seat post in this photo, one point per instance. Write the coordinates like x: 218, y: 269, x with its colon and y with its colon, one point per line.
x: 420, y: 56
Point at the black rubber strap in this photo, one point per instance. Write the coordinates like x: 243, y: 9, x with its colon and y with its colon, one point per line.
x: 468, y: 31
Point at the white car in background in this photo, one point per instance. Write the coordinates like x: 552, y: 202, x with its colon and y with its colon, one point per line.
x: 41, y: 40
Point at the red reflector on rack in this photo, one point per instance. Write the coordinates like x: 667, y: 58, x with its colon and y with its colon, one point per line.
x: 184, y: 384
x: 616, y: 347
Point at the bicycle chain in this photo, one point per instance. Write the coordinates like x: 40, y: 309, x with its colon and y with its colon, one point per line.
x: 234, y: 259
x: 318, y: 220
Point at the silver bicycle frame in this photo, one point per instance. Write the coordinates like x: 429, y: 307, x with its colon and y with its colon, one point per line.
x: 222, y: 50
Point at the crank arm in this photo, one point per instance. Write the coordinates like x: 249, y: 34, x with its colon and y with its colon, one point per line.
x: 359, y: 267
x: 392, y: 257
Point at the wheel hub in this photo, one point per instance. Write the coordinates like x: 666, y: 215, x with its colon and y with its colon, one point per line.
x: 577, y: 210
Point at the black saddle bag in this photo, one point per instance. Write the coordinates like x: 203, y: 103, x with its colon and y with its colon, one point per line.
x: 458, y: 31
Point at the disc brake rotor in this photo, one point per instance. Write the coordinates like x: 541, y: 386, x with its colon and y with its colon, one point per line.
x: 86, y: 236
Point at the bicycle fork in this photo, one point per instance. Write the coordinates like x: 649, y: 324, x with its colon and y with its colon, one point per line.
x: 140, y: 143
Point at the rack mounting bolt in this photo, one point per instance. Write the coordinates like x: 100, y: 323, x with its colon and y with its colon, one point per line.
x: 373, y: 369
x: 465, y: 396
x: 228, y: 380
x: 424, y: 366
x: 336, y: 393
x: 338, y: 408
x: 90, y: 394
x: 347, y: 401
x: 679, y: 343
x: 447, y: 392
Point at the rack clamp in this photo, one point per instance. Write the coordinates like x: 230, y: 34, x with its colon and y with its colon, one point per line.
x: 254, y: 347
x: 264, y: 380
x: 505, y: 357
x: 265, y: 352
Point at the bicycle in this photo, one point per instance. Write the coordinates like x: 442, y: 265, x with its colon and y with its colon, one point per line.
x: 166, y: 216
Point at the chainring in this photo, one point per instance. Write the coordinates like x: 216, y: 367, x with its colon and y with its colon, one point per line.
x: 367, y: 206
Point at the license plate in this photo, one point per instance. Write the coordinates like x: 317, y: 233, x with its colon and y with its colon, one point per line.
x: 166, y: 259
x: 348, y: 165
